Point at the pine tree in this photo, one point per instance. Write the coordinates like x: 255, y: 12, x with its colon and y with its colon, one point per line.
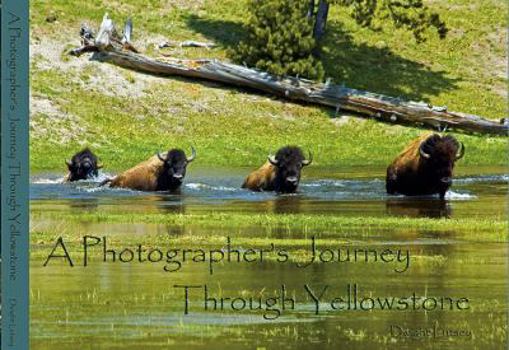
x: 412, y: 15
x: 280, y: 39
x: 284, y: 35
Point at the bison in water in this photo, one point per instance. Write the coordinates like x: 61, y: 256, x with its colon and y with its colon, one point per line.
x: 161, y: 172
x: 281, y: 173
x: 83, y: 165
x: 425, y: 166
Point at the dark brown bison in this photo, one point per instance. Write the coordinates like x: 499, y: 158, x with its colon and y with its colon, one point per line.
x: 425, y: 166
x: 281, y: 173
x: 83, y: 165
x: 161, y: 172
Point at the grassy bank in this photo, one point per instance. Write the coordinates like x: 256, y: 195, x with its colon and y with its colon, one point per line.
x: 215, y: 225
x: 126, y: 116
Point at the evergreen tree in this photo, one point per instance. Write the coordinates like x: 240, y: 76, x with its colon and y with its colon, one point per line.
x: 280, y: 39
x: 283, y: 35
x: 408, y: 14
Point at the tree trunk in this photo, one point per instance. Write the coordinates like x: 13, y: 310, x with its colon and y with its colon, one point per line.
x: 108, y: 47
x: 311, y: 9
x: 321, y: 19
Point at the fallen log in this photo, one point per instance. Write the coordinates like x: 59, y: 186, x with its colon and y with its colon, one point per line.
x: 108, y: 46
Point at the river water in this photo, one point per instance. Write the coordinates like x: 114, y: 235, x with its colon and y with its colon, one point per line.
x: 133, y: 306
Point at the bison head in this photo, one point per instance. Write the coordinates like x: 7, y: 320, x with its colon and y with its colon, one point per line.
x: 174, y: 168
x: 289, y: 162
x: 83, y: 165
x: 438, y: 155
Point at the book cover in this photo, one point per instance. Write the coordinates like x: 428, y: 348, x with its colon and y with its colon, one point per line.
x: 275, y: 174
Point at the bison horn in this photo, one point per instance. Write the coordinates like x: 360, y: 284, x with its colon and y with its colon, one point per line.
x: 308, y: 161
x: 160, y: 156
x: 461, y: 151
x: 68, y: 162
x: 193, y: 155
x: 423, y: 154
x: 272, y: 159
x: 99, y: 165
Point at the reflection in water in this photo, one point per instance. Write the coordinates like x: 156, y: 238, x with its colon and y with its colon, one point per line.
x: 285, y: 204
x: 171, y: 204
x: 89, y: 204
x: 430, y: 208
x: 136, y: 304
x: 133, y: 306
x: 174, y: 230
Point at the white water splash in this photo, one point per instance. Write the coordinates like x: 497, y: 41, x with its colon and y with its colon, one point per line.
x: 453, y: 195
x: 483, y: 178
x: 101, y: 177
x: 59, y: 180
x: 95, y: 189
x: 341, y: 183
x: 47, y: 181
x: 320, y: 183
x: 202, y: 186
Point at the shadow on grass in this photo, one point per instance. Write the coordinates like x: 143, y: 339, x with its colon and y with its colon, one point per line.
x: 223, y: 32
x: 356, y: 65
x: 379, y: 70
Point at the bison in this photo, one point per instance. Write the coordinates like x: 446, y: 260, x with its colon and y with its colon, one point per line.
x: 83, y: 165
x: 161, y: 172
x: 425, y: 166
x: 281, y: 173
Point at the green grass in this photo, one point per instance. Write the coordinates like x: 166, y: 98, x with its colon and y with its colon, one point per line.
x: 231, y: 127
x: 213, y: 226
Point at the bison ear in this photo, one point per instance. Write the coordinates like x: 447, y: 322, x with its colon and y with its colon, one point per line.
x: 272, y: 160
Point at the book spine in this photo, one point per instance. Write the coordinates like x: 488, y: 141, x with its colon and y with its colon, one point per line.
x: 14, y: 164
